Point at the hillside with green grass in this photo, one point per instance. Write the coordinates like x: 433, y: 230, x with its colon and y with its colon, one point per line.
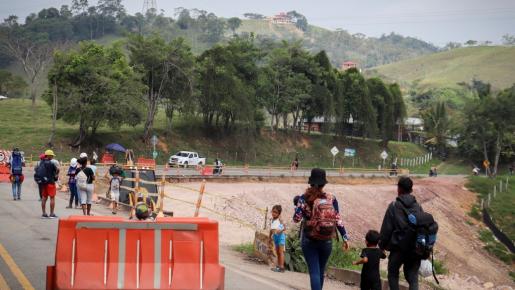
x: 340, y: 45
x: 30, y: 131
x: 493, y: 64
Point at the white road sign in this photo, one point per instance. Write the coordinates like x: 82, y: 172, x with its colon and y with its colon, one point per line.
x: 334, y: 151
x: 384, y: 155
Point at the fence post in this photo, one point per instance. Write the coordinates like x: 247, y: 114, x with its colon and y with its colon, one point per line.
x: 507, y: 179
x: 199, y: 200
x: 266, y: 218
x: 500, y: 186
x: 482, y: 203
x: 488, y: 205
x: 495, y: 190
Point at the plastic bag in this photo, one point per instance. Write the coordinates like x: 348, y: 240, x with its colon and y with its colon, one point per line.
x: 426, y: 268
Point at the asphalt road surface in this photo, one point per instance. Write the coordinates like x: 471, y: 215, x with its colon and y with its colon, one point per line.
x: 27, y: 242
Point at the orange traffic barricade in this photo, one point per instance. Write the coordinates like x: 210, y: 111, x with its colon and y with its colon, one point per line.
x: 5, y: 173
x: 114, y: 253
x: 107, y: 158
x: 207, y: 170
x: 146, y: 163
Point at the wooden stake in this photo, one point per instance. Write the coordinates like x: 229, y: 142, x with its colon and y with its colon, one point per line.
x: 199, y: 200
x: 266, y: 218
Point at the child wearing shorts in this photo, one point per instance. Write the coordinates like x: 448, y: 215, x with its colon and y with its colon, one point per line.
x: 277, y: 230
x: 114, y: 190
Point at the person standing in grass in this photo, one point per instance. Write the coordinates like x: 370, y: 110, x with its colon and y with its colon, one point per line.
x: 370, y: 258
x: 278, y: 236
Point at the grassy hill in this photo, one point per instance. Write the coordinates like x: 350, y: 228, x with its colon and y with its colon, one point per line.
x: 30, y: 131
x: 340, y: 45
x: 493, y: 64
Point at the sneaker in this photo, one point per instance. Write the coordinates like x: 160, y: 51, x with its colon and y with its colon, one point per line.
x: 44, y: 216
x: 278, y: 270
x: 114, y: 212
x: 69, y: 206
x: 78, y: 207
x: 52, y: 216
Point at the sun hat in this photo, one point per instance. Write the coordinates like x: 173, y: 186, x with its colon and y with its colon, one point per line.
x: 83, y: 155
x: 49, y: 152
x: 317, y: 177
x: 73, y: 162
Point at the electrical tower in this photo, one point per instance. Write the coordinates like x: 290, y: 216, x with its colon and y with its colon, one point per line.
x: 149, y: 4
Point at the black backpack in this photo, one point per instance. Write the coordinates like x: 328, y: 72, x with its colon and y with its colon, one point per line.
x: 44, y: 172
x: 421, y: 233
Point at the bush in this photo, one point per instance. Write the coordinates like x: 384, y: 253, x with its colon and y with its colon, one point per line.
x: 440, y: 268
x: 245, y: 248
x: 475, y: 212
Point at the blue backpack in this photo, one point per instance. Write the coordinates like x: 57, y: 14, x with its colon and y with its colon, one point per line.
x: 16, y: 163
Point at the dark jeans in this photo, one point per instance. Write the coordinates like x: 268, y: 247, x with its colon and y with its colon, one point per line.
x: 74, y: 194
x: 316, y: 254
x: 411, y: 265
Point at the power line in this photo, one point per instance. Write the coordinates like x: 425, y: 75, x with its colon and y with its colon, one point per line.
x: 149, y: 4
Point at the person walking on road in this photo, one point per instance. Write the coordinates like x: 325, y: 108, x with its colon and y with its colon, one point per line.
x: 85, y: 180
x: 393, y: 230
x: 72, y: 184
x: 40, y: 185
x: 16, y: 164
x: 320, y: 214
x: 47, y: 174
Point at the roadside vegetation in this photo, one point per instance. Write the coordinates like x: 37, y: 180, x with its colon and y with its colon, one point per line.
x: 501, y: 209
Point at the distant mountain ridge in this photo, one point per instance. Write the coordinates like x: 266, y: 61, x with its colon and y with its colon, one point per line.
x: 342, y: 46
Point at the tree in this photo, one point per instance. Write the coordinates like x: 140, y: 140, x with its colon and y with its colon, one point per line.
x: 11, y: 85
x: 180, y: 85
x: 471, y: 42
x: 508, y: 39
x: 94, y: 85
x: 384, y: 108
x: 149, y: 55
x: 233, y: 24
x: 227, y: 83
x: 436, y: 122
x: 33, y: 51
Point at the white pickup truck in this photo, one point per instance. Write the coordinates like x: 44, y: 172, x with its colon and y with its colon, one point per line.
x: 185, y: 159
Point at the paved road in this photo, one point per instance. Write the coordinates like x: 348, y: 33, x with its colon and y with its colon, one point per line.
x: 27, y: 242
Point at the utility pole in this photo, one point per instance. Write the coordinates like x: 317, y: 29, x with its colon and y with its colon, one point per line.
x: 149, y: 4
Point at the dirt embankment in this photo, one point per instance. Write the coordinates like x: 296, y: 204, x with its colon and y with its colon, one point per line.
x: 238, y: 207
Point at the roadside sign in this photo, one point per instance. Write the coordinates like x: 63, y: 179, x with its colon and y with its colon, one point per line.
x: 154, y: 140
x: 349, y: 152
x: 486, y: 163
x: 384, y: 155
x: 154, y: 154
x: 334, y: 151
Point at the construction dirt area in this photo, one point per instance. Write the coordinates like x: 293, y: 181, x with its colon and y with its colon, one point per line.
x: 240, y: 209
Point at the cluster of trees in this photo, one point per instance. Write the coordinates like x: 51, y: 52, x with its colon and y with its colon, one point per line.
x: 487, y: 131
x: 228, y: 86
x: 11, y: 85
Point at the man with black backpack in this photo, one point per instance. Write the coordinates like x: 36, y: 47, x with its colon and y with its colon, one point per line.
x: 16, y: 163
x: 408, y: 233
x: 46, y: 175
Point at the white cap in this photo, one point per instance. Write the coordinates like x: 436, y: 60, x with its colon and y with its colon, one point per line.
x: 73, y: 162
x: 83, y: 155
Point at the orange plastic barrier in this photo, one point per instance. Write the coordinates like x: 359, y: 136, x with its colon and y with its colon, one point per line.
x: 145, y: 162
x: 4, y: 173
x: 207, y: 170
x: 107, y: 158
x: 113, y: 253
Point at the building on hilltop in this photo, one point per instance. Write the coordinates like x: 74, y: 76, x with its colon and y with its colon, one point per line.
x: 281, y: 18
x: 348, y: 65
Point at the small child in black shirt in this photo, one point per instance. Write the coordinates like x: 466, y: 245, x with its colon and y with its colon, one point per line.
x: 370, y: 258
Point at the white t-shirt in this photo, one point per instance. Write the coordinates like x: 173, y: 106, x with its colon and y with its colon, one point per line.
x: 276, y: 225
